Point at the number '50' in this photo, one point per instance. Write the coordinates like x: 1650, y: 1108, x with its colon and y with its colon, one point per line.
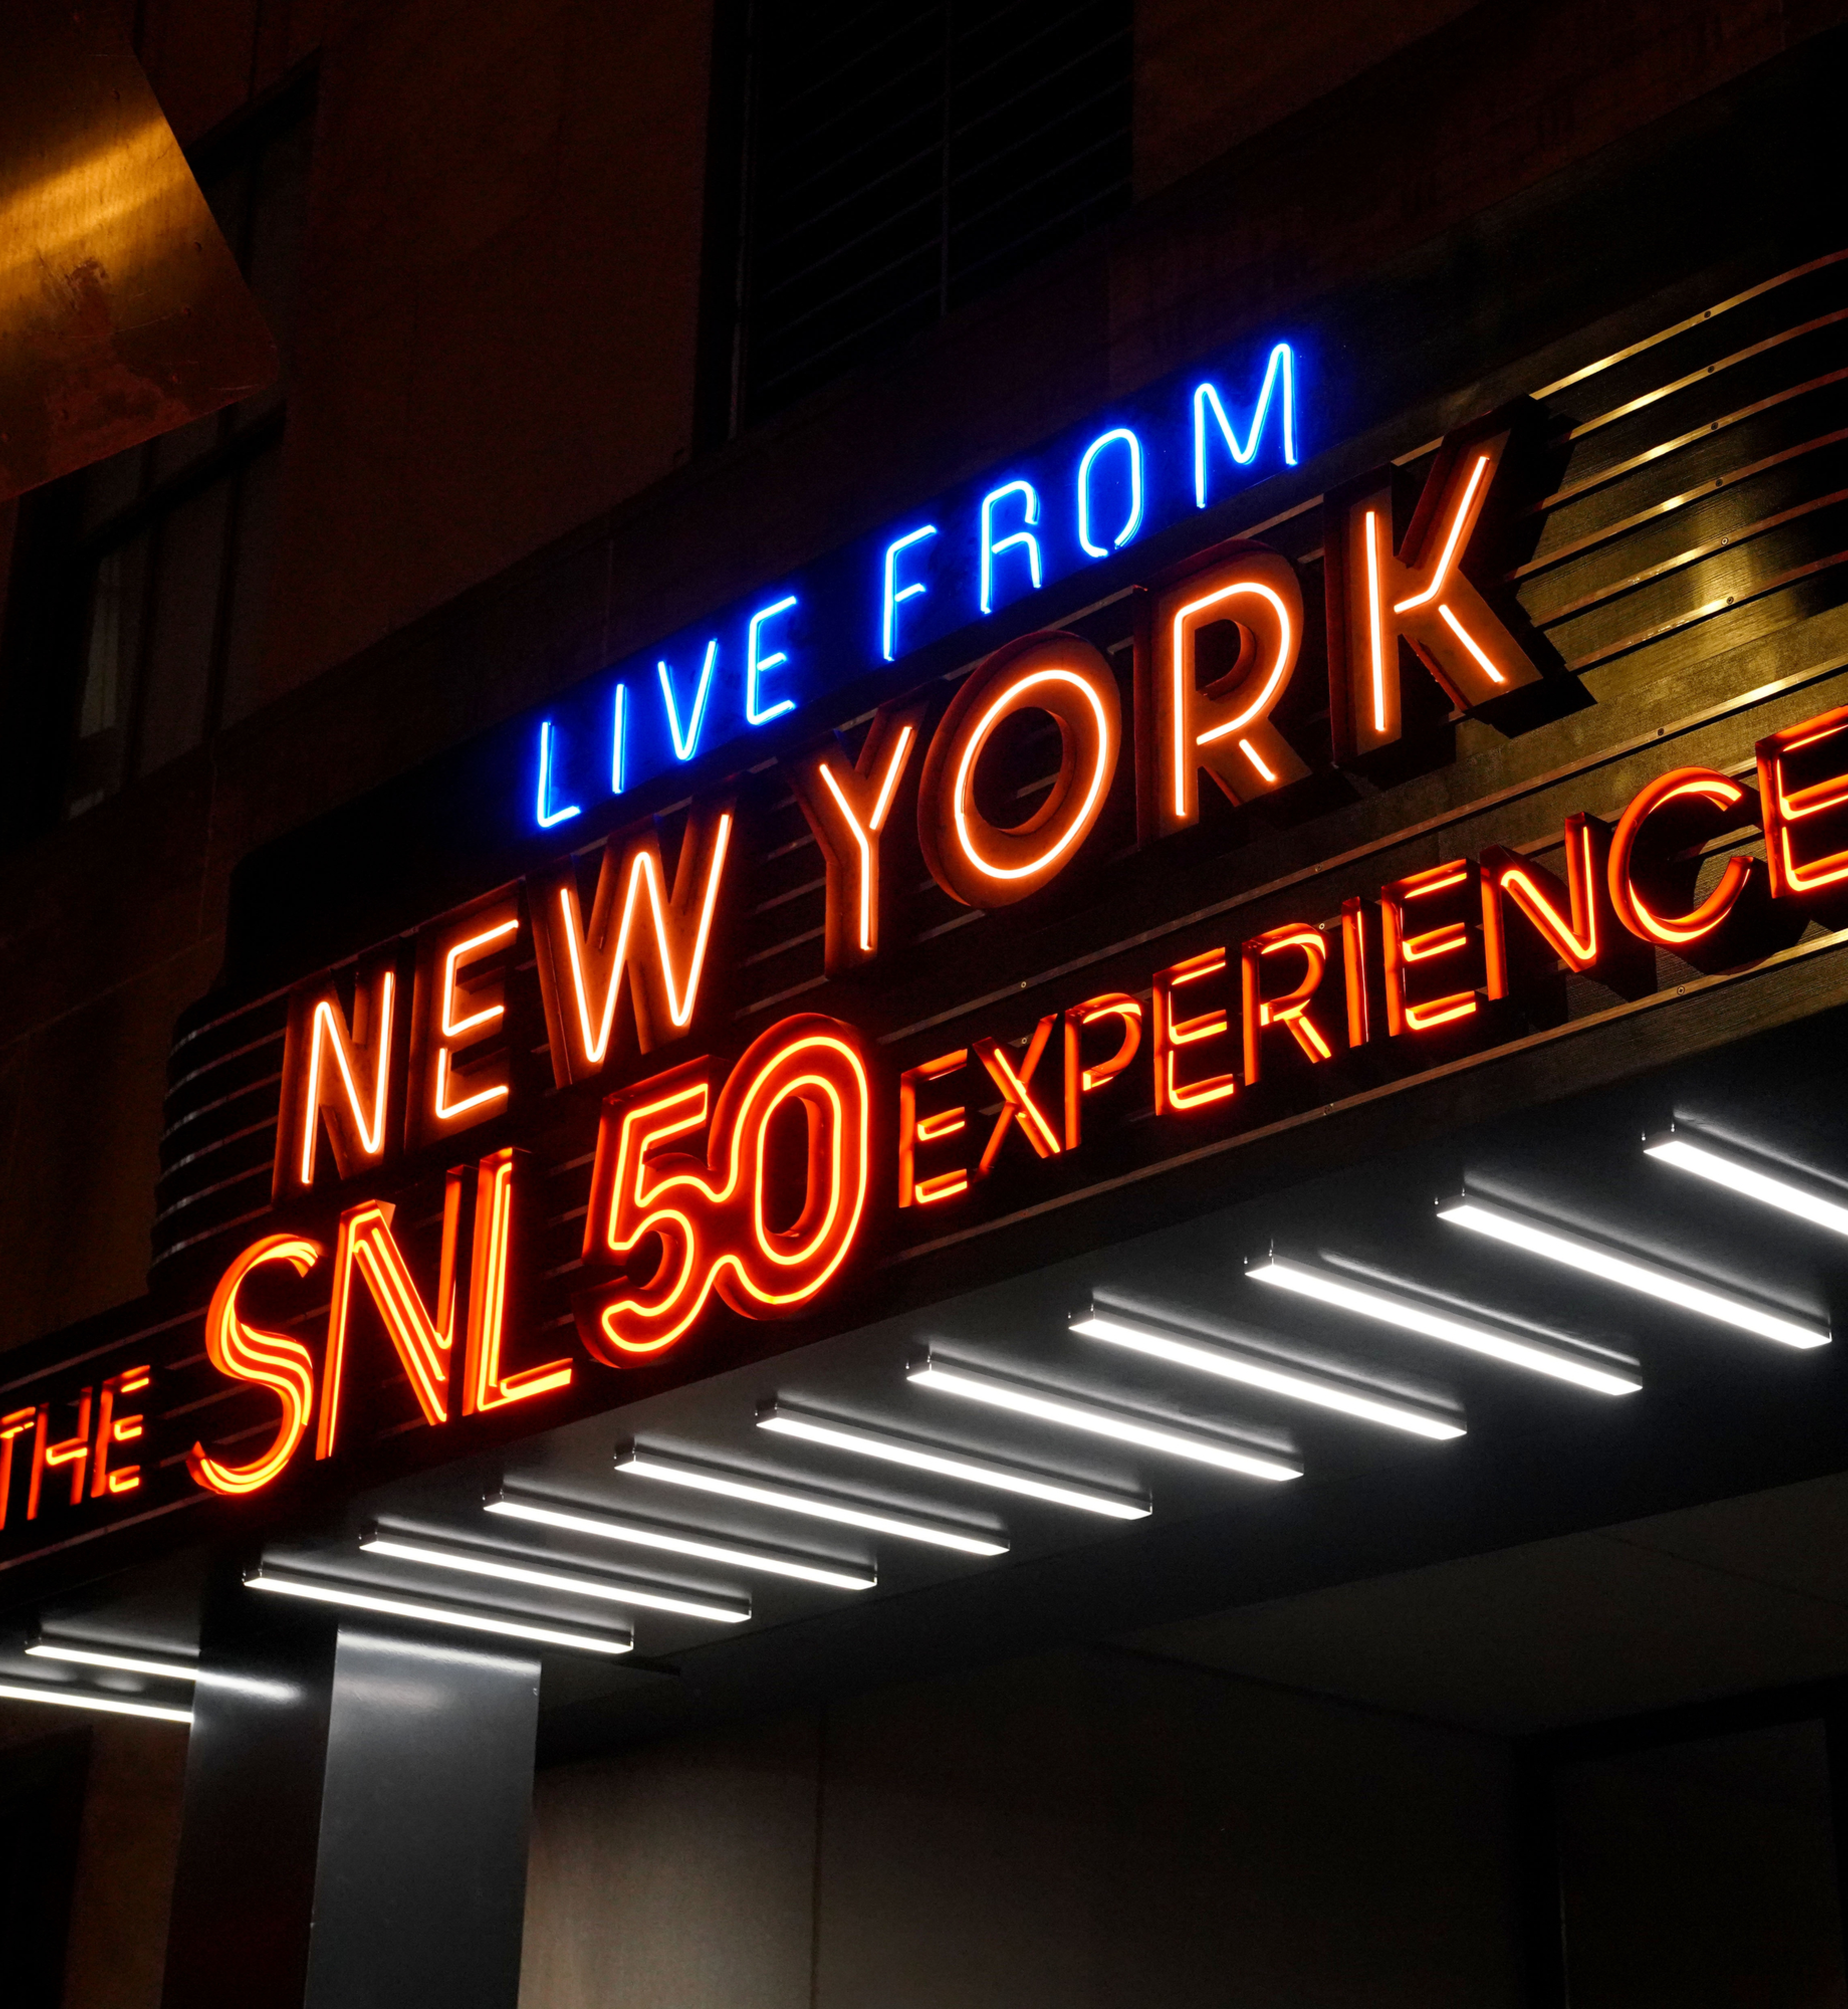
x: 714, y: 1214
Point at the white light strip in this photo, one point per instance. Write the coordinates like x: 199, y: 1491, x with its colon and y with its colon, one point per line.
x: 94, y: 1656
x: 440, y: 1614
x: 1002, y: 1393
x: 1747, y: 1181
x: 643, y: 1463
x: 684, y: 1602
x: 838, y: 1576
x: 948, y: 1464
x: 83, y: 1699
x: 1594, y: 1260
x: 1210, y: 1358
x: 1409, y: 1316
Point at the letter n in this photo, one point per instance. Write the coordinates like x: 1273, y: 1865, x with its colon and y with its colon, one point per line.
x: 337, y: 1074
x: 366, y: 1251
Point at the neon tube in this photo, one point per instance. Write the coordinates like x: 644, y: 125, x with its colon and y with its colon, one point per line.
x: 543, y: 808
x: 895, y: 598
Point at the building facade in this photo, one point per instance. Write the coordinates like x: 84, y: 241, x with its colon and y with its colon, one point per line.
x: 939, y: 987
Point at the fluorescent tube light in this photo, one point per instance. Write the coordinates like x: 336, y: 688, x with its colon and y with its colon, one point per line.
x: 838, y: 1576
x: 1737, y: 1176
x: 1120, y: 1426
x: 1212, y: 1357
x: 87, y: 1698
x: 1325, y: 1287
x: 920, y: 1457
x: 132, y: 1664
x: 1593, y: 1259
x: 505, y: 1571
x: 643, y: 1463
x: 438, y: 1614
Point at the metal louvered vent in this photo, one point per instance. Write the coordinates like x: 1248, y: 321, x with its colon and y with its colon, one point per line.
x: 903, y: 158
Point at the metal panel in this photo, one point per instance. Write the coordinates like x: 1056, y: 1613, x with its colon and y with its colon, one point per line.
x: 122, y: 314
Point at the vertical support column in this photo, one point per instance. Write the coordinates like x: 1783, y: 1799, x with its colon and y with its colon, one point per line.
x: 421, y: 1885
x: 356, y: 1820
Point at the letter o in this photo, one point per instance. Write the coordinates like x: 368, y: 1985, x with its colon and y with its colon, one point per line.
x: 976, y: 861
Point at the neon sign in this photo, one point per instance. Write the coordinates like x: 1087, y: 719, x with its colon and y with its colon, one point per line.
x: 1186, y: 444
x: 752, y: 1183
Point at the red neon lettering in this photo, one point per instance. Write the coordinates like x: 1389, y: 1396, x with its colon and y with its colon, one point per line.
x: 73, y: 1451
x: 1169, y: 1034
x: 367, y: 1247
x: 459, y: 1009
x: 1401, y: 952
x: 269, y: 1360
x: 113, y: 1429
x: 1224, y: 730
x: 847, y: 808
x: 484, y: 1387
x: 14, y: 1424
x: 638, y: 930
x: 914, y: 1130
x: 711, y: 1212
x: 333, y: 1077
x: 1684, y: 800
x: 1782, y: 808
x: 1353, y: 970
x: 1565, y: 917
x: 1290, y: 1010
x: 1018, y: 1104
x: 1380, y: 594
x: 973, y: 860
x: 1080, y: 1080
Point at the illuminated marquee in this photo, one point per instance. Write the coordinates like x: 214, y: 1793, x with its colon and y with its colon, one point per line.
x: 755, y: 1185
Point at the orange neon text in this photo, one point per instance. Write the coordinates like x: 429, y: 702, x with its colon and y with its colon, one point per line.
x: 1295, y: 944
x: 1080, y: 1080
x: 1402, y: 951
x: 336, y: 1078
x: 242, y: 1352
x: 847, y: 809
x: 458, y: 1066
x: 485, y: 1387
x: 1171, y: 1035
x: 1649, y: 854
x: 113, y: 1427
x: 637, y: 932
x: 712, y: 1212
x: 1383, y: 591
x: 1018, y: 1104
x: 979, y: 863
x: 1221, y: 728
x: 914, y: 1131
x: 1784, y: 808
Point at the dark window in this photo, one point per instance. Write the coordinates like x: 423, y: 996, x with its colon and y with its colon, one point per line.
x: 153, y: 565
x: 902, y: 159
